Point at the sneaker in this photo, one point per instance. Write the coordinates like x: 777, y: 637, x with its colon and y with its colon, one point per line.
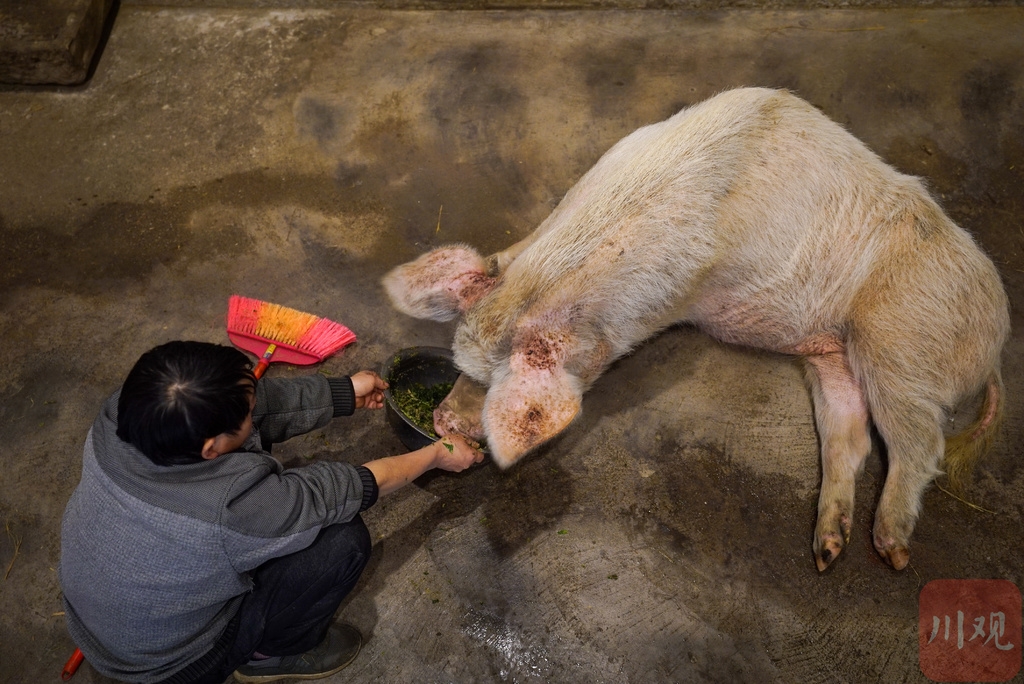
x: 338, y: 649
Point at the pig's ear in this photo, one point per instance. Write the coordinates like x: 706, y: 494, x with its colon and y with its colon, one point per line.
x: 526, y: 409
x: 439, y: 285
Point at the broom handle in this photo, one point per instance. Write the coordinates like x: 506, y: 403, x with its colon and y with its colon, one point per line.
x: 261, y: 367
x: 71, y: 666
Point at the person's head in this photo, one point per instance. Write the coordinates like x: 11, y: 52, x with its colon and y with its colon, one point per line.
x: 183, y: 402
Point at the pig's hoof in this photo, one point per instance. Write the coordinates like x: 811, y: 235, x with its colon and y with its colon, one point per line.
x: 830, y: 538
x: 898, y: 558
x: 827, y: 549
x: 896, y: 555
x: 493, y: 266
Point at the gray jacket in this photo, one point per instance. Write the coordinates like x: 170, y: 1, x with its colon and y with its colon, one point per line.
x: 155, y: 559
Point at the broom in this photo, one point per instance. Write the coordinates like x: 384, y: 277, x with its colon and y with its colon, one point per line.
x: 277, y: 333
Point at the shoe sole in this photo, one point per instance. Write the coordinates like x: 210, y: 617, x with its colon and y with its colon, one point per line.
x: 257, y: 679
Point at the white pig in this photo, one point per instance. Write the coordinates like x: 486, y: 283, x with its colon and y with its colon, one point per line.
x: 756, y: 218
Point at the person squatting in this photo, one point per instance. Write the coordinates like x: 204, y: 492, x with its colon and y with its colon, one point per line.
x: 188, y: 553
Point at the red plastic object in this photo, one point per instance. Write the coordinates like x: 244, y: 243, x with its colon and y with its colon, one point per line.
x: 71, y: 667
x: 277, y: 333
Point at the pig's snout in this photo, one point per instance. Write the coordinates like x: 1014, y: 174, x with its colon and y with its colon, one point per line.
x: 461, y: 412
x: 448, y: 422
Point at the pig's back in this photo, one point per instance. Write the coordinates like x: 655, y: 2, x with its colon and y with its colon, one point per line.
x: 751, y: 214
x: 725, y: 195
x: 639, y: 223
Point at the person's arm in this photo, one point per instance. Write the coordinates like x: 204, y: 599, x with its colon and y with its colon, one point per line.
x: 287, y: 407
x: 451, y: 453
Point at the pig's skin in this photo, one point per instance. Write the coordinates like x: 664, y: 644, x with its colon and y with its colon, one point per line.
x: 754, y: 217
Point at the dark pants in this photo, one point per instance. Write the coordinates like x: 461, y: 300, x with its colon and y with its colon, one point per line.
x: 292, y: 603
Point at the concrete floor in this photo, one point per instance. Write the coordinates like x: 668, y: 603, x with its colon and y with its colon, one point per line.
x: 295, y: 156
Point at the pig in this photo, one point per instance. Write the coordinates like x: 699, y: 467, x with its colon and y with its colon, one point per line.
x: 763, y: 223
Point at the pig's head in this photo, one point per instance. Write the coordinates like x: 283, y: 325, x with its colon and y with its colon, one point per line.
x: 528, y: 353
x: 441, y: 284
x: 536, y: 395
x: 526, y: 409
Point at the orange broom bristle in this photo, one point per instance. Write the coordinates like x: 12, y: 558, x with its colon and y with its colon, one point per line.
x: 278, y: 324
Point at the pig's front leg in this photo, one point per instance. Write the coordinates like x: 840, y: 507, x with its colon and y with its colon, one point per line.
x: 461, y: 411
x: 497, y: 263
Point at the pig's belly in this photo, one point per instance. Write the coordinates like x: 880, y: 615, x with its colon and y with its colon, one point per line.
x: 760, y: 322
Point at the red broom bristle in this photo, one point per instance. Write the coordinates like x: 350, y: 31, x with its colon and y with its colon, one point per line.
x: 281, y: 325
x: 244, y: 314
x: 326, y: 337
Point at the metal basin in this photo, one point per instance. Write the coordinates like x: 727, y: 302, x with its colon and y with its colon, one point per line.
x: 426, y: 366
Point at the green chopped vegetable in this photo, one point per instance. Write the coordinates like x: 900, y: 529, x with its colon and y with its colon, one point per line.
x: 418, y: 402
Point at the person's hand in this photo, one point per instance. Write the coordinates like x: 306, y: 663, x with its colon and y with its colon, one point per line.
x: 369, y: 388
x: 455, y: 454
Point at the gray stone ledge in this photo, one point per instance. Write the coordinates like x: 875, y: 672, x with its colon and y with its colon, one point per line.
x: 50, y: 41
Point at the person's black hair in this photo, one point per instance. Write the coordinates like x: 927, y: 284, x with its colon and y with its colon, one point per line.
x: 180, y: 394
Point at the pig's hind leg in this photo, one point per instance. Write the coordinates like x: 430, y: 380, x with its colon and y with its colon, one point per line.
x: 841, y: 415
x: 911, y: 428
